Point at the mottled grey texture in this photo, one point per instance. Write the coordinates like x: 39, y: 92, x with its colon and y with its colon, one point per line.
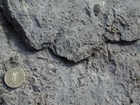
x: 71, y: 28
x: 110, y: 76
x: 68, y: 27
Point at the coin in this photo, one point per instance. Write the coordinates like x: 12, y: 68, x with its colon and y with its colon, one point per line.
x: 14, y: 77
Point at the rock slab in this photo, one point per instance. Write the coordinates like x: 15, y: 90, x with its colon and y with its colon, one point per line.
x: 68, y: 27
x: 109, y: 77
x: 73, y: 29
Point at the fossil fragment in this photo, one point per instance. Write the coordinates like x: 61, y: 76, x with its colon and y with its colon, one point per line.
x: 96, y: 9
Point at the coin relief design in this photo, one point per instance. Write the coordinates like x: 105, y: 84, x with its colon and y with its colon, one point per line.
x: 14, y: 77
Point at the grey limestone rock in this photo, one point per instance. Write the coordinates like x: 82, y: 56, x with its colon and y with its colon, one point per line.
x: 111, y: 76
x: 68, y: 27
x: 122, y: 20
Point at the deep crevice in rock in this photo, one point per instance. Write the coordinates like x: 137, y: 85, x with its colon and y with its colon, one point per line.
x: 122, y: 42
x: 63, y: 59
x: 43, y: 47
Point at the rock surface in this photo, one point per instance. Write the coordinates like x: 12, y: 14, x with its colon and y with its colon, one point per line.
x: 110, y: 76
x: 70, y: 27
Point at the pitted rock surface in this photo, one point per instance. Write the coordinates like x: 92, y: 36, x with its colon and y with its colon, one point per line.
x: 111, y: 76
x: 123, y: 21
x: 70, y: 28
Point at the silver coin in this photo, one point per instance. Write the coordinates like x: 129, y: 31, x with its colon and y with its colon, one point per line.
x: 14, y: 77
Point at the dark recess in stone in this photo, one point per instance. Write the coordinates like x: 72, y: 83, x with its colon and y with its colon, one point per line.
x: 131, y: 101
x: 88, y: 12
x: 122, y: 42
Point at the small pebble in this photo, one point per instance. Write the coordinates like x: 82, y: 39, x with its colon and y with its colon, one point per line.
x: 96, y: 9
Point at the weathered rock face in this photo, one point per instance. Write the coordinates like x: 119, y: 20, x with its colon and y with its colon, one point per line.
x: 123, y: 21
x: 70, y: 28
x: 111, y: 76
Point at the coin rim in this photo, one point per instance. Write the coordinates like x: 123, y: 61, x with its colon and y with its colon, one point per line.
x: 11, y: 70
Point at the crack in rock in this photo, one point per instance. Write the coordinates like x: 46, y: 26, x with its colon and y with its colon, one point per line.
x: 67, y: 25
x: 70, y: 28
x: 122, y: 42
